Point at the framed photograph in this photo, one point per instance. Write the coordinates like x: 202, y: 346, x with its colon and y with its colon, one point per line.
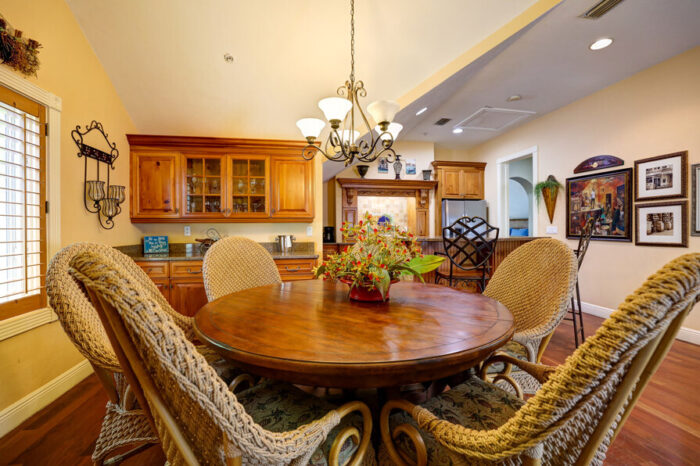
x: 410, y: 166
x: 607, y: 197
x: 382, y: 165
x: 662, y: 177
x: 664, y: 224
x: 695, y: 201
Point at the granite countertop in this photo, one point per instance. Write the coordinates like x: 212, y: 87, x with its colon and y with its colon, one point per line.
x: 194, y: 252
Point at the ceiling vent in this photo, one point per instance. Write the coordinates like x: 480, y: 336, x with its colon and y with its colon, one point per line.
x: 600, y: 8
x: 493, y: 119
x: 443, y: 121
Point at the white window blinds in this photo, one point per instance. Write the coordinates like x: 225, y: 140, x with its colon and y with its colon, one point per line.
x: 22, y: 194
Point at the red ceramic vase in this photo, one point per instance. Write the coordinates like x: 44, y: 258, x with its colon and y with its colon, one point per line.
x: 360, y: 293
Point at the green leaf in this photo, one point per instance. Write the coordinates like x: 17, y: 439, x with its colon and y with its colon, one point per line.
x: 425, y: 264
x: 384, y: 282
x: 320, y: 270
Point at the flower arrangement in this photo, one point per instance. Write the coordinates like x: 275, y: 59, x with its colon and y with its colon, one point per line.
x: 382, y: 253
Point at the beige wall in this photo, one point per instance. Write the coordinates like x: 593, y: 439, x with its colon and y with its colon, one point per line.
x: 654, y: 112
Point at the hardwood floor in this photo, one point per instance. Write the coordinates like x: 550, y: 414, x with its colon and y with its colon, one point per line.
x: 663, y: 429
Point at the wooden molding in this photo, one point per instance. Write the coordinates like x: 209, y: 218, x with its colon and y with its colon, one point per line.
x: 448, y: 163
x: 386, y: 185
x: 197, y: 142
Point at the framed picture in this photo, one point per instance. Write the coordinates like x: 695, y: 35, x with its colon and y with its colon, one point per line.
x: 695, y: 201
x: 662, y: 177
x: 664, y: 224
x: 410, y: 166
x: 382, y: 165
x: 607, y: 197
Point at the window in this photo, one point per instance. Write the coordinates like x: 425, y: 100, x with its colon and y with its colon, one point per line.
x: 22, y: 200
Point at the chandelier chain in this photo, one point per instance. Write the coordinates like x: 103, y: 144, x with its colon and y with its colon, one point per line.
x: 352, y: 40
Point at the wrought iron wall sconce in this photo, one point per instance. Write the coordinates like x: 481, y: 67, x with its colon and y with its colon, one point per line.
x: 100, y: 197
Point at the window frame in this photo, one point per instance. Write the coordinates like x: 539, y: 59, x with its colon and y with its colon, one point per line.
x: 28, y: 95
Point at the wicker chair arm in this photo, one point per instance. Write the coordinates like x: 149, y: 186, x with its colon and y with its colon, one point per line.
x: 241, y: 380
x: 540, y: 372
x: 411, y: 432
x: 351, y: 432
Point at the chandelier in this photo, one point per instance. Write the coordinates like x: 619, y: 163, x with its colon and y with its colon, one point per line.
x: 344, y: 143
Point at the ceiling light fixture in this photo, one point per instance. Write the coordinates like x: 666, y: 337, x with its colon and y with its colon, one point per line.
x: 601, y: 43
x: 457, y: 130
x: 422, y: 110
x: 228, y: 58
x: 337, y: 110
x: 514, y: 98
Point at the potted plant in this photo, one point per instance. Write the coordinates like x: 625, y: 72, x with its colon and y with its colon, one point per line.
x: 382, y: 253
x: 549, y: 190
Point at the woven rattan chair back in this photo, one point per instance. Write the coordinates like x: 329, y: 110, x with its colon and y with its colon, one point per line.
x: 469, y: 242
x: 535, y: 282
x: 197, y: 418
x: 233, y: 264
x: 576, y: 414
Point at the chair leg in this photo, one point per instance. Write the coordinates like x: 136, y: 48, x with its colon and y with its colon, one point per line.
x: 580, y: 313
x: 573, y: 318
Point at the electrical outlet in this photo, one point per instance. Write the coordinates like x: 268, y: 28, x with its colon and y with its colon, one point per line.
x: 552, y: 230
x: 309, y: 231
x: 188, y: 230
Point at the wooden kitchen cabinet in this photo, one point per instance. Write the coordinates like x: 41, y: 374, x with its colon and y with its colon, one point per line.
x: 182, y: 283
x: 190, y: 180
x: 460, y: 180
x: 292, y: 190
x: 156, y: 176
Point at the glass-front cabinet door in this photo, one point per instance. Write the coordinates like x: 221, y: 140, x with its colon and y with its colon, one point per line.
x: 204, y: 188
x: 248, y: 186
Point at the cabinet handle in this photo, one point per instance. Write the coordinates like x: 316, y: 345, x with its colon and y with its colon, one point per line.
x: 286, y: 267
x: 227, y: 211
x: 172, y: 286
x: 195, y: 272
x: 177, y: 210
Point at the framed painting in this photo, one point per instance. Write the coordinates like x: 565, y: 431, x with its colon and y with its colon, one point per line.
x: 607, y: 197
x: 662, y: 177
x: 695, y: 201
x: 662, y: 224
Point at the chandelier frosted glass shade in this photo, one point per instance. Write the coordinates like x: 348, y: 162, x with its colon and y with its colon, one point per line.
x: 335, y: 108
x: 394, y: 129
x: 311, y: 127
x: 383, y: 111
x: 346, y: 136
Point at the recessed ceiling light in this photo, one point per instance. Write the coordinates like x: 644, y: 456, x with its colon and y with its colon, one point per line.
x: 513, y: 98
x: 421, y: 110
x: 228, y: 58
x: 457, y: 130
x: 601, y: 43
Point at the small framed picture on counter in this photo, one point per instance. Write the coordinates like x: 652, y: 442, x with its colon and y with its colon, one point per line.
x: 155, y: 245
x: 664, y: 224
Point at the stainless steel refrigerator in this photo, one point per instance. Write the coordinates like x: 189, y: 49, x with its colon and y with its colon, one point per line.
x: 452, y: 209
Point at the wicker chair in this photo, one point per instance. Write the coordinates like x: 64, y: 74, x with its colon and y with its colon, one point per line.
x: 124, y: 423
x: 233, y: 264
x: 198, y: 420
x: 535, y: 282
x: 582, y: 404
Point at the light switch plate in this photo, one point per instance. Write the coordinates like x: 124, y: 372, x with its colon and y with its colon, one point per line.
x: 309, y: 231
x: 188, y: 230
x: 552, y: 230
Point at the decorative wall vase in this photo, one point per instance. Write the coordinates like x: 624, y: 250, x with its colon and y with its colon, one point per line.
x: 549, y: 190
x: 362, y: 170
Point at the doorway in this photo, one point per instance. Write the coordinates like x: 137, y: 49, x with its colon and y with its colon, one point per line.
x: 517, y: 213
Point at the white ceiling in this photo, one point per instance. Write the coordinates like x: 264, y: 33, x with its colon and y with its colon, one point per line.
x: 550, y: 65
x: 165, y: 57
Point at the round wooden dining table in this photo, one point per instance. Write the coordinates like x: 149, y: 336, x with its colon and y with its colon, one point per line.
x: 308, y: 332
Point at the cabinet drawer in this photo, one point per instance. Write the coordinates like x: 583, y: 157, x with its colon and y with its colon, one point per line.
x: 154, y: 269
x: 185, y: 269
x: 296, y: 269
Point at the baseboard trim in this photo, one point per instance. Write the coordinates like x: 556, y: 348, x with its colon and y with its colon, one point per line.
x: 25, y: 322
x: 22, y: 409
x: 684, y: 334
